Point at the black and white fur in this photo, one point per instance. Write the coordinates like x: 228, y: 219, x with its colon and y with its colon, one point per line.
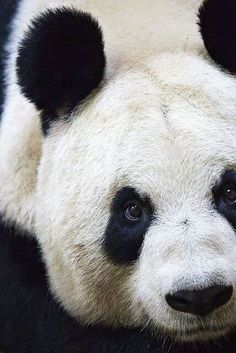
x: 96, y: 119
x: 33, y: 321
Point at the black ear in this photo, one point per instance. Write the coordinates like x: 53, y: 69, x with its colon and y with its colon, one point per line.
x: 217, y: 20
x: 60, y: 61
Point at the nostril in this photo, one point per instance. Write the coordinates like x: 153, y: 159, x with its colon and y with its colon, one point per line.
x: 181, y: 300
x: 200, y: 302
x: 220, y: 295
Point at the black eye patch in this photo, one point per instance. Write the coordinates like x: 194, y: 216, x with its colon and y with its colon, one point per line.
x: 131, y: 215
x: 225, y: 196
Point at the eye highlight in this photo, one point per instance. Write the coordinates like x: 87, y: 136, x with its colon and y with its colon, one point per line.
x: 225, y: 191
x: 133, y: 211
x: 229, y: 194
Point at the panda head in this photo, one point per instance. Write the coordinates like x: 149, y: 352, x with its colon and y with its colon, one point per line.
x: 136, y: 191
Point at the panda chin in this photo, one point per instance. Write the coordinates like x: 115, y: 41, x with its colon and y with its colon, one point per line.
x: 200, y: 332
x: 187, y: 328
x: 205, y: 335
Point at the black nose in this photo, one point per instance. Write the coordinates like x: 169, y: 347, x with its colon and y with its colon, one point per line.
x: 200, y: 302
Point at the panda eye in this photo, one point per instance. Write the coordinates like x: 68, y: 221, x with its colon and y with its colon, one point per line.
x: 225, y: 192
x: 225, y: 196
x: 229, y: 194
x: 133, y: 211
x: 131, y: 214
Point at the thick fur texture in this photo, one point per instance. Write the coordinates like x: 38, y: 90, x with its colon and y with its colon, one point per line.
x: 166, y: 134
x: 32, y: 321
x: 161, y: 123
x: 123, y: 41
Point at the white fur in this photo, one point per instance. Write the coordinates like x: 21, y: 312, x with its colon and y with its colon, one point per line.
x: 132, y: 29
x: 162, y: 122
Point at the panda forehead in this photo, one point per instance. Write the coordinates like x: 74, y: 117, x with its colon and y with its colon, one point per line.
x: 149, y: 120
x: 179, y: 150
x: 167, y: 82
x: 176, y: 148
x: 169, y: 169
x: 155, y: 125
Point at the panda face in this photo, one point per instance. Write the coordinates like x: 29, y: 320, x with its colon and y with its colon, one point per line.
x: 135, y: 208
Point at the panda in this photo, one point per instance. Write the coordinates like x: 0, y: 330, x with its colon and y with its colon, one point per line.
x: 118, y: 176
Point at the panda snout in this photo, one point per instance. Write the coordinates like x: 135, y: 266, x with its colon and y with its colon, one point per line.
x: 200, y: 302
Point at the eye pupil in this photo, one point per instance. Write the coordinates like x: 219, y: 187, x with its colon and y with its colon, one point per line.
x: 133, y: 212
x: 230, y: 195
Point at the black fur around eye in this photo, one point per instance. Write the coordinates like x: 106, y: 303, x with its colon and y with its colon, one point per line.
x: 225, y: 196
x: 130, y: 218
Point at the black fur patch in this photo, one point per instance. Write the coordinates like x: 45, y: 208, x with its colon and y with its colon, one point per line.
x: 217, y: 20
x: 61, y: 60
x: 123, y: 238
x: 32, y: 321
x: 228, y: 179
x: 7, y: 11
